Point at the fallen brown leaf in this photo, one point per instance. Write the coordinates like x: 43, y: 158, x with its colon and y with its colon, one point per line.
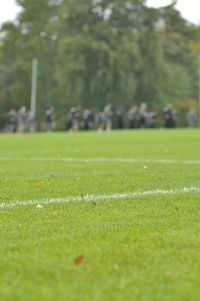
x: 78, y: 259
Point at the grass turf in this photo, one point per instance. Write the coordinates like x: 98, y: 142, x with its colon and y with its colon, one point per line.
x: 144, y: 248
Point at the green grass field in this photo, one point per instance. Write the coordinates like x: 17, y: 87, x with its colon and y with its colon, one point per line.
x: 139, y: 247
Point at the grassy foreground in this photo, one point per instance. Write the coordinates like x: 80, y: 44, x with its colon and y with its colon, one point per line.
x: 141, y: 248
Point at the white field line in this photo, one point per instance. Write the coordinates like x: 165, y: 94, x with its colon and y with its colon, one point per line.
x: 114, y: 160
x: 100, y: 197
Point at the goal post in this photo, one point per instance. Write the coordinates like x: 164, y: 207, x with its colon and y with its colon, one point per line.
x: 33, y: 92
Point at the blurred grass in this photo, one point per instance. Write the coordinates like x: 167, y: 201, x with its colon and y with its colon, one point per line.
x: 143, y: 248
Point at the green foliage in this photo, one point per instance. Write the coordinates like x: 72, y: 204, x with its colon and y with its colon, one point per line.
x: 94, y: 51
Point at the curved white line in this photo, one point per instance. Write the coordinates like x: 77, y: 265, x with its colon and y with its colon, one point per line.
x: 99, y: 197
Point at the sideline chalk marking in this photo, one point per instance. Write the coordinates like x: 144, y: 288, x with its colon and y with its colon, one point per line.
x: 99, y: 197
x: 99, y: 160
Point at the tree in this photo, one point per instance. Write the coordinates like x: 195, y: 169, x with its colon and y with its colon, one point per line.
x: 94, y: 51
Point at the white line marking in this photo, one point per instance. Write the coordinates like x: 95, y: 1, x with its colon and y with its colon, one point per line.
x: 100, y: 197
x: 99, y: 160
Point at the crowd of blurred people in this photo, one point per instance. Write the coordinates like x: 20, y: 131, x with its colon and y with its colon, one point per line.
x: 137, y: 117
x: 19, y: 121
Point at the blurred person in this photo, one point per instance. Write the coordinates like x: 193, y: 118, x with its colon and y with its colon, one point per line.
x: 101, y: 121
x: 143, y: 115
x: 120, y: 117
x: 87, y: 119
x: 108, y: 117
x: 191, y: 118
x: 166, y: 116
x: 132, y: 116
x: 151, y: 119
x: 75, y: 114
x: 21, y: 119
x: 169, y: 116
x: 69, y: 121
x: 93, y: 116
x: 12, y: 121
x: 50, y: 118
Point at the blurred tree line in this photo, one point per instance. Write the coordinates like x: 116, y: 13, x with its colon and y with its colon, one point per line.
x: 91, y: 52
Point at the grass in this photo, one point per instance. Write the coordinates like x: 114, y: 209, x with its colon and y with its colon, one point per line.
x: 142, y: 248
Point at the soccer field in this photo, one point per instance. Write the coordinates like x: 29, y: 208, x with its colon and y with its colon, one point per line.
x: 100, y: 216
